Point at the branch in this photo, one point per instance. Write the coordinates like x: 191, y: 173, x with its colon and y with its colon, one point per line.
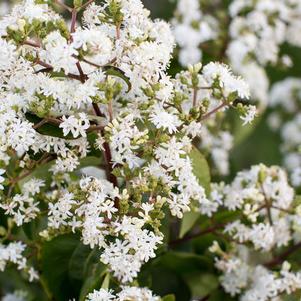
x: 82, y: 75
x: 32, y: 43
x: 195, y: 95
x: 118, y: 31
x: 59, y: 121
x: 73, y: 21
x: 282, y: 257
x: 63, y: 5
x: 108, y: 155
x: 206, y: 116
x: 195, y: 235
x: 14, y: 181
x: 87, y: 4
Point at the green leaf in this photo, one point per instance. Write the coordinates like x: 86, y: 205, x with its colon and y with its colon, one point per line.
x: 48, y: 129
x: 77, y: 260
x: 169, y: 298
x: 243, y: 155
x: 219, y: 295
x: 182, y: 262
x: 42, y: 172
x: 89, y: 285
x: 114, y: 71
x: 200, y: 169
x: 93, y: 151
x: 242, y: 132
x: 297, y: 200
x: 188, y: 221
x: 92, y: 263
x: 165, y: 281
x: 90, y: 161
x: 55, y: 261
x: 93, y: 281
x: 106, y: 282
x: 34, y: 227
x: 202, y: 172
x: 202, y: 284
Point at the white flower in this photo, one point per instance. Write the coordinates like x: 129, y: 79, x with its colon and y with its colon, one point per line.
x: 21, y: 136
x: 249, y: 116
x: 58, y: 53
x: 33, y: 274
x: 262, y: 236
x: 95, y: 41
x: 2, y: 179
x: 77, y: 125
x: 33, y: 186
x: 163, y: 119
x: 228, y: 82
x: 136, y: 293
x: 16, y: 296
x: 7, y: 54
x: 100, y: 295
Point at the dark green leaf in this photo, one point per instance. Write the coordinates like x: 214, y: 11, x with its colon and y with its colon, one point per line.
x: 77, y: 260
x: 47, y: 129
x: 201, y: 168
x: 42, y: 172
x: 182, y: 262
x: 169, y: 298
x: 90, y: 161
x: 55, y: 260
x: 202, y: 284
x: 219, y: 295
x: 90, y: 284
x: 188, y: 221
x: 93, y: 281
x: 165, y: 281
x: 106, y: 282
x: 34, y: 227
x: 114, y: 71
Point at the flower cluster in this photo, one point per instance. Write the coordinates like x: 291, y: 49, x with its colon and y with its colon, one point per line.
x: 127, y: 293
x: 286, y: 119
x: 13, y: 253
x: 254, y: 282
x: 243, y: 31
x: 16, y: 296
x: 265, y: 200
x: 267, y: 219
x: 97, y: 139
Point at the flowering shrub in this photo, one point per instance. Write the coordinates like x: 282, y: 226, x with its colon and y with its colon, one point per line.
x: 115, y: 175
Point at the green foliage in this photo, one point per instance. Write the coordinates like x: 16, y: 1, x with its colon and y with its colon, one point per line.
x: 169, y: 298
x: 202, y: 172
x: 201, y: 169
x: 66, y: 263
x: 56, y: 259
x: 188, y: 221
x: 47, y: 128
x: 114, y: 71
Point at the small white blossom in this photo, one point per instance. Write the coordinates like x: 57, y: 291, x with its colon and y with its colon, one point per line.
x: 77, y: 125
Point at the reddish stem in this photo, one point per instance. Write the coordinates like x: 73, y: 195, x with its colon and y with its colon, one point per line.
x: 63, y: 5
x: 32, y: 43
x: 118, y: 31
x: 86, y: 4
x: 195, y: 95
x: 282, y: 257
x: 73, y: 21
x: 206, y: 116
x: 107, y: 154
x: 195, y: 235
